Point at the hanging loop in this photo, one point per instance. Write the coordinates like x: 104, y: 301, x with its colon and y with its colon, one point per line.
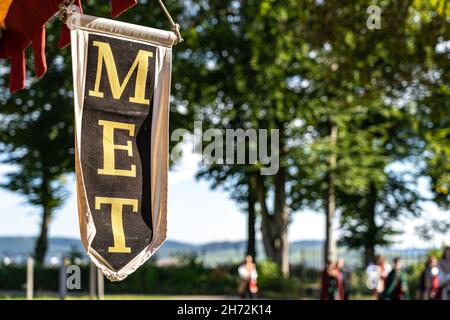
x: 175, y: 26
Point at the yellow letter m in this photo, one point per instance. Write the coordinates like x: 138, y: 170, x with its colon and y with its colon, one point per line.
x: 141, y: 63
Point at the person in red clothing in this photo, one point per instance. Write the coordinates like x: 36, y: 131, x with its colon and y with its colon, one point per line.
x: 248, y: 288
x: 429, y: 280
x: 384, y: 269
x: 332, y: 285
x: 344, y: 278
x: 324, y: 282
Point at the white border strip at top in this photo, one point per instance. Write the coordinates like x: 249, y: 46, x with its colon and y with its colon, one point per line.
x: 113, y: 27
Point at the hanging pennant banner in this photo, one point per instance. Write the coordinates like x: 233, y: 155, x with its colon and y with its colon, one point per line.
x: 121, y: 90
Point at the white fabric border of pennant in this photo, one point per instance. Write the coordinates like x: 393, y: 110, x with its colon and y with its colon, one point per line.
x: 163, y: 40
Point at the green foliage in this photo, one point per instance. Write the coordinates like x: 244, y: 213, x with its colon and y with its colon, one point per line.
x: 269, y: 270
x: 191, y: 278
x: 13, y: 277
x: 273, y: 284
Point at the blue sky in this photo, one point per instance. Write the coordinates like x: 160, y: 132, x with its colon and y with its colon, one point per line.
x: 195, y: 214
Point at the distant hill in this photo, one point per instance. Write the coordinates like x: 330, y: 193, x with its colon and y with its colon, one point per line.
x: 18, y: 248
x: 307, y: 252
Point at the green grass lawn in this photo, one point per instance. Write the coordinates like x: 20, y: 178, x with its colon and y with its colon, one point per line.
x: 118, y: 297
x: 141, y: 297
x: 86, y: 297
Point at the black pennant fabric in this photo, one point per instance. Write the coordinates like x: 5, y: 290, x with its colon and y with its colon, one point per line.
x: 122, y: 88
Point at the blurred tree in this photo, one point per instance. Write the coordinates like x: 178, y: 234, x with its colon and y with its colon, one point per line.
x: 431, y: 92
x: 360, y: 123
x: 374, y: 191
x: 337, y: 91
x: 37, y: 137
x: 430, y: 228
x: 431, y: 104
x: 241, y: 65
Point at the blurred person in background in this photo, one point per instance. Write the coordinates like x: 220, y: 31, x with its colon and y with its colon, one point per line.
x: 444, y: 274
x: 429, y: 280
x: 384, y: 269
x: 377, y: 273
x: 247, y: 272
x: 324, y: 281
x: 344, y: 275
x: 332, y: 284
x: 396, y: 286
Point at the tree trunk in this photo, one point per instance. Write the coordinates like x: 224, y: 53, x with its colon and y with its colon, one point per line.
x: 266, y: 220
x: 274, y: 226
x: 251, y: 242
x: 330, y: 253
x: 372, y: 229
x: 285, y: 245
x: 42, y: 241
x: 369, y: 255
x: 282, y: 220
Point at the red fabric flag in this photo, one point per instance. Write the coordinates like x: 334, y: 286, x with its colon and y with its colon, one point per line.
x: 25, y: 25
x: 119, y: 6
